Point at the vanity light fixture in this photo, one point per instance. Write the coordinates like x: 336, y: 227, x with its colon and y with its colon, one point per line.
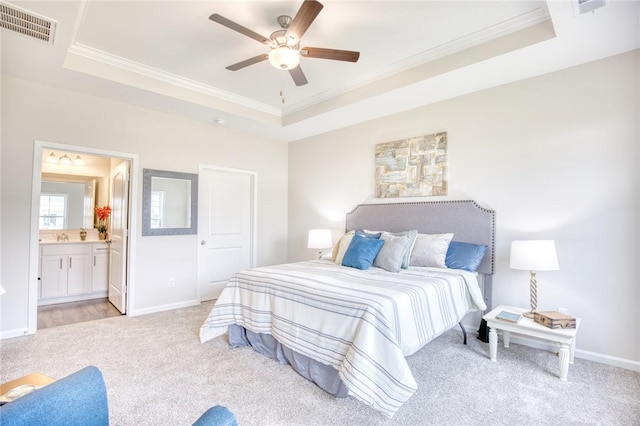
x: 65, y: 160
x: 78, y: 161
x: 52, y: 158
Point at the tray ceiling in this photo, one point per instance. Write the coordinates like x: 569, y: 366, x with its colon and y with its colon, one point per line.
x: 169, y: 56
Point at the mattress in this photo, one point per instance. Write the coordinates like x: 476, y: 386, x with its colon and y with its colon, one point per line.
x: 362, y: 323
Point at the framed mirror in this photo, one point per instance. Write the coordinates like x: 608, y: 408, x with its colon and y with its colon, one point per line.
x: 67, y: 203
x: 170, y: 203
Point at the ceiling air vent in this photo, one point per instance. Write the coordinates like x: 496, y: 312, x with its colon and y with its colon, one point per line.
x: 586, y: 6
x: 26, y: 23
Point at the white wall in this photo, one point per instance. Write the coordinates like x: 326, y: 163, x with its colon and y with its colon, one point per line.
x: 32, y: 111
x: 556, y: 157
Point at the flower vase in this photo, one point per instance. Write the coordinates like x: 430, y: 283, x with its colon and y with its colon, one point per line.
x: 102, y: 235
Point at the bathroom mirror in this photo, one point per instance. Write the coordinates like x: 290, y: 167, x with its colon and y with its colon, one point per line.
x: 67, y: 204
x: 170, y: 203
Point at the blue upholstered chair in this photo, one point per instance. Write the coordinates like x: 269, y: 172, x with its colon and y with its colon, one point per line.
x: 80, y: 399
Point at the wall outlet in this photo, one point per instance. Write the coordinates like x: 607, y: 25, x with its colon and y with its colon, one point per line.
x: 172, y: 282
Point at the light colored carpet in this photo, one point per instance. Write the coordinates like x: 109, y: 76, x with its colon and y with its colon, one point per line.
x: 158, y: 373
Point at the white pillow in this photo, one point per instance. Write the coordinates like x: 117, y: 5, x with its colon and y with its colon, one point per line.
x: 341, y: 247
x: 430, y: 250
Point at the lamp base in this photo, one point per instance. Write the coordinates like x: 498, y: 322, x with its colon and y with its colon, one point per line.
x: 529, y: 314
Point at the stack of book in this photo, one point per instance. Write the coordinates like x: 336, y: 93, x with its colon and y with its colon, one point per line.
x: 509, y: 316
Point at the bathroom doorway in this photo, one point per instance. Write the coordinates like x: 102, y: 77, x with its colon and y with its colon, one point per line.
x: 69, y: 163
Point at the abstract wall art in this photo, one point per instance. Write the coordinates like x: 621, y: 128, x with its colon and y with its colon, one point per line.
x: 412, y: 167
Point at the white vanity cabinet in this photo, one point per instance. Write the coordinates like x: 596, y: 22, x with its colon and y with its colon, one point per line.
x: 73, y: 271
x: 100, y: 268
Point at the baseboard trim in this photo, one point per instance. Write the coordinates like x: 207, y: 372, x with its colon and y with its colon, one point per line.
x: 70, y: 299
x: 162, y: 308
x: 627, y: 364
x: 8, y: 334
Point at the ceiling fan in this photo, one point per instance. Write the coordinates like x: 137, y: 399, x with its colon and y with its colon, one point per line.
x: 285, y: 43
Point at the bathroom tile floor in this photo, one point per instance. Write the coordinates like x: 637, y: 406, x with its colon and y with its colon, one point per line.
x: 73, y: 312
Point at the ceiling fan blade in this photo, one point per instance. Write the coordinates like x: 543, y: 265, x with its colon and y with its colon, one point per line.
x: 247, y: 62
x: 239, y: 28
x: 298, y: 76
x: 334, y: 54
x: 303, y: 19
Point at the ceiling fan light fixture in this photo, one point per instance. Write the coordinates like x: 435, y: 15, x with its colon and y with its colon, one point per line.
x: 284, y: 57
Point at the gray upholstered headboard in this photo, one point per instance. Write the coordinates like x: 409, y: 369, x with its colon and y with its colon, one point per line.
x: 468, y: 221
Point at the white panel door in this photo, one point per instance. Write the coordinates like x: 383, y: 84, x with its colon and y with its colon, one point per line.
x: 118, y: 236
x: 225, y: 227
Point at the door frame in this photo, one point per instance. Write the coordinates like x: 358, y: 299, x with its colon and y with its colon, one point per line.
x: 34, y: 245
x: 254, y: 211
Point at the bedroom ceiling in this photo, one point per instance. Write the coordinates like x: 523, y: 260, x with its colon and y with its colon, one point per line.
x: 167, y: 55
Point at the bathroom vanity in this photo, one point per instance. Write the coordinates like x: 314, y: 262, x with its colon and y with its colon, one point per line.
x: 73, y: 270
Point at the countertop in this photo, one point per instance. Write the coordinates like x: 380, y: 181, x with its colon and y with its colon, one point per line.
x: 49, y: 242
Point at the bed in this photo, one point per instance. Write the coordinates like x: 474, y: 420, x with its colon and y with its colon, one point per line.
x: 349, y: 329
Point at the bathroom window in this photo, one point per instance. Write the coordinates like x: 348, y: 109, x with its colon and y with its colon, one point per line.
x: 157, y: 209
x: 53, y: 211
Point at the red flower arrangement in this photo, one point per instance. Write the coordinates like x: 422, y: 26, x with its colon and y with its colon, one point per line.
x: 103, y: 214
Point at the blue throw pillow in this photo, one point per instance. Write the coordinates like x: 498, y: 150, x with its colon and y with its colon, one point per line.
x: 465, y: 256
x: 362, y: 252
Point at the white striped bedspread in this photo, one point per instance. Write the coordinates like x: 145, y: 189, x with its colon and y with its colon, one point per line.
x: 361, y: 322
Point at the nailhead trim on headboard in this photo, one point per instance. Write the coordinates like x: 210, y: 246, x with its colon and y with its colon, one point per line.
x: 469, y: 222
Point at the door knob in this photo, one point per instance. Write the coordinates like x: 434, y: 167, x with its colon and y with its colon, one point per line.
x: 203, y: 242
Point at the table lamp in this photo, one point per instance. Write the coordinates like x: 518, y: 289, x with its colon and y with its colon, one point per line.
x: 319, y: 239
x: 532, y: 256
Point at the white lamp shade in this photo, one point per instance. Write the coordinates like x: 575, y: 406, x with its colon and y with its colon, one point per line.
x: 284, y: 58
x: 534, y: 255
x: 319, y: 239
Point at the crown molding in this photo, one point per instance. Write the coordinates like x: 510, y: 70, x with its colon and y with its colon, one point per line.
x: 471, y: 40
x: 169, y: 78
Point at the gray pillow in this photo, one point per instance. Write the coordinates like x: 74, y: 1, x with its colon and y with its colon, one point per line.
x: 413, y: 234
x: 392, y: 252
x: 430, y: 250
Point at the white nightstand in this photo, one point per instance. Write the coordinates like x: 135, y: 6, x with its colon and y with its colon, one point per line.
x: 566, y: 338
